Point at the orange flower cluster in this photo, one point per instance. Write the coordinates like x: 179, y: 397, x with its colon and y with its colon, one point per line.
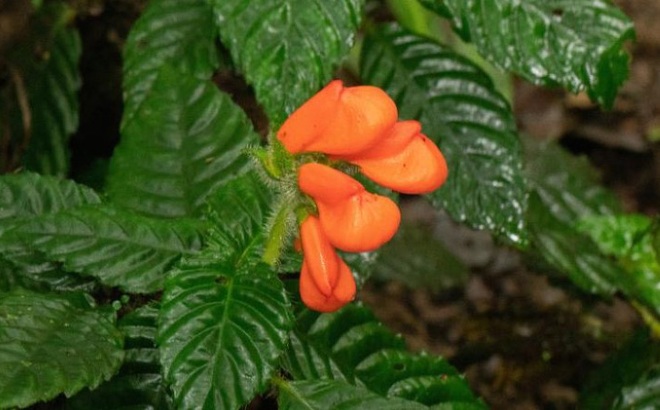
x: 356, y: 125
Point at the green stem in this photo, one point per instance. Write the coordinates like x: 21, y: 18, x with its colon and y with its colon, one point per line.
x: 277, y: 234
x: 648, y: 317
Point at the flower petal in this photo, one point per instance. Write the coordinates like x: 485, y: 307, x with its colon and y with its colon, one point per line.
x: 326, y: 184
x: 322, y: 260
x: 326, y: 282
x: 315, y: 300
x: 311, y: 119
x: 395, y: 140
x: 353, y: 219
x: 407, y: 161
x: 339, y: 120
x: 362, y: 223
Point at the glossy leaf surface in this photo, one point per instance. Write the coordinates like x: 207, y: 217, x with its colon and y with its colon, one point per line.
x: 139, y: 383
x: 562, y: 195
x: 628, y: 238
x: 185, y: 141
x: 53, y: 95
x: 335, y: 394
x: 53, y: 344
x: 117, y: 247
x: 470, y: 121
x: 169, y: 32
x: 225, y: 315
x: 24, y: 197
x: 577, y: 44
x: 352, y: 345
x: 628, y: 380
x: 287, y: 50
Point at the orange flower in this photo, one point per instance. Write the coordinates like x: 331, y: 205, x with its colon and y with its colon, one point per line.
x: 339, y: 120
x: 326, y: 282
x: 353, y: 219
x: 358, y: 125
x: 405, y: 161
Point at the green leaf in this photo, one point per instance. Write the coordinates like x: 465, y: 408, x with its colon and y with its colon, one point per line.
x: 28, y: 194
x: 418, y: 259
x: 53, y: 344
x: 387, y: 371
x: 139, y: 384
x: 352, y: 345
x: 179, y: 33
x: 221, y: 332
x: 560, y: 245
x: 53, y: 96
x: 570, y: 191
x: 561, y: 196
x: 238, y: 211
x: 628, y: 239
x: 185, y: 140
x: 31, y: 270
x: 336, y: 394
x: 644, y: 395
x: 303, y: 361
x: 117, y: 247
x: 225, y: 315
x: 23, y: 197
x: 629, y: 379
x: 287, y: 49
x: 577, y: 44
x: 461, y: 111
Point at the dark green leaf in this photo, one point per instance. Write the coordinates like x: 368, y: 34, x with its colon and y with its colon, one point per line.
x: 568, y: 185
x: 627, y: 380
x: 53, y: 94
x: 221, y: 332
x: 180, y: 33
x: 304, y: 361
x: 10, y: 277
x: 53, y: 344
x: 418, y: 259
x: 287, y: 49
x: 362, y: 264
x: 32, y: 270
x: 336, y: 394
x: 139, y: 384
x: 386, y: 370
x: 461, y: 111
x: 225, y: 315
x: 643, y: 395
x: 185, y: 140
x: 628, y: 239
x: 27, y: 194
x: 238, y: 211
x: 23, y: 197
x: 563, y: 247
x: 117, y: 247
x: 576, y: 43
x: 562, y: 195
x: 352, y: 345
